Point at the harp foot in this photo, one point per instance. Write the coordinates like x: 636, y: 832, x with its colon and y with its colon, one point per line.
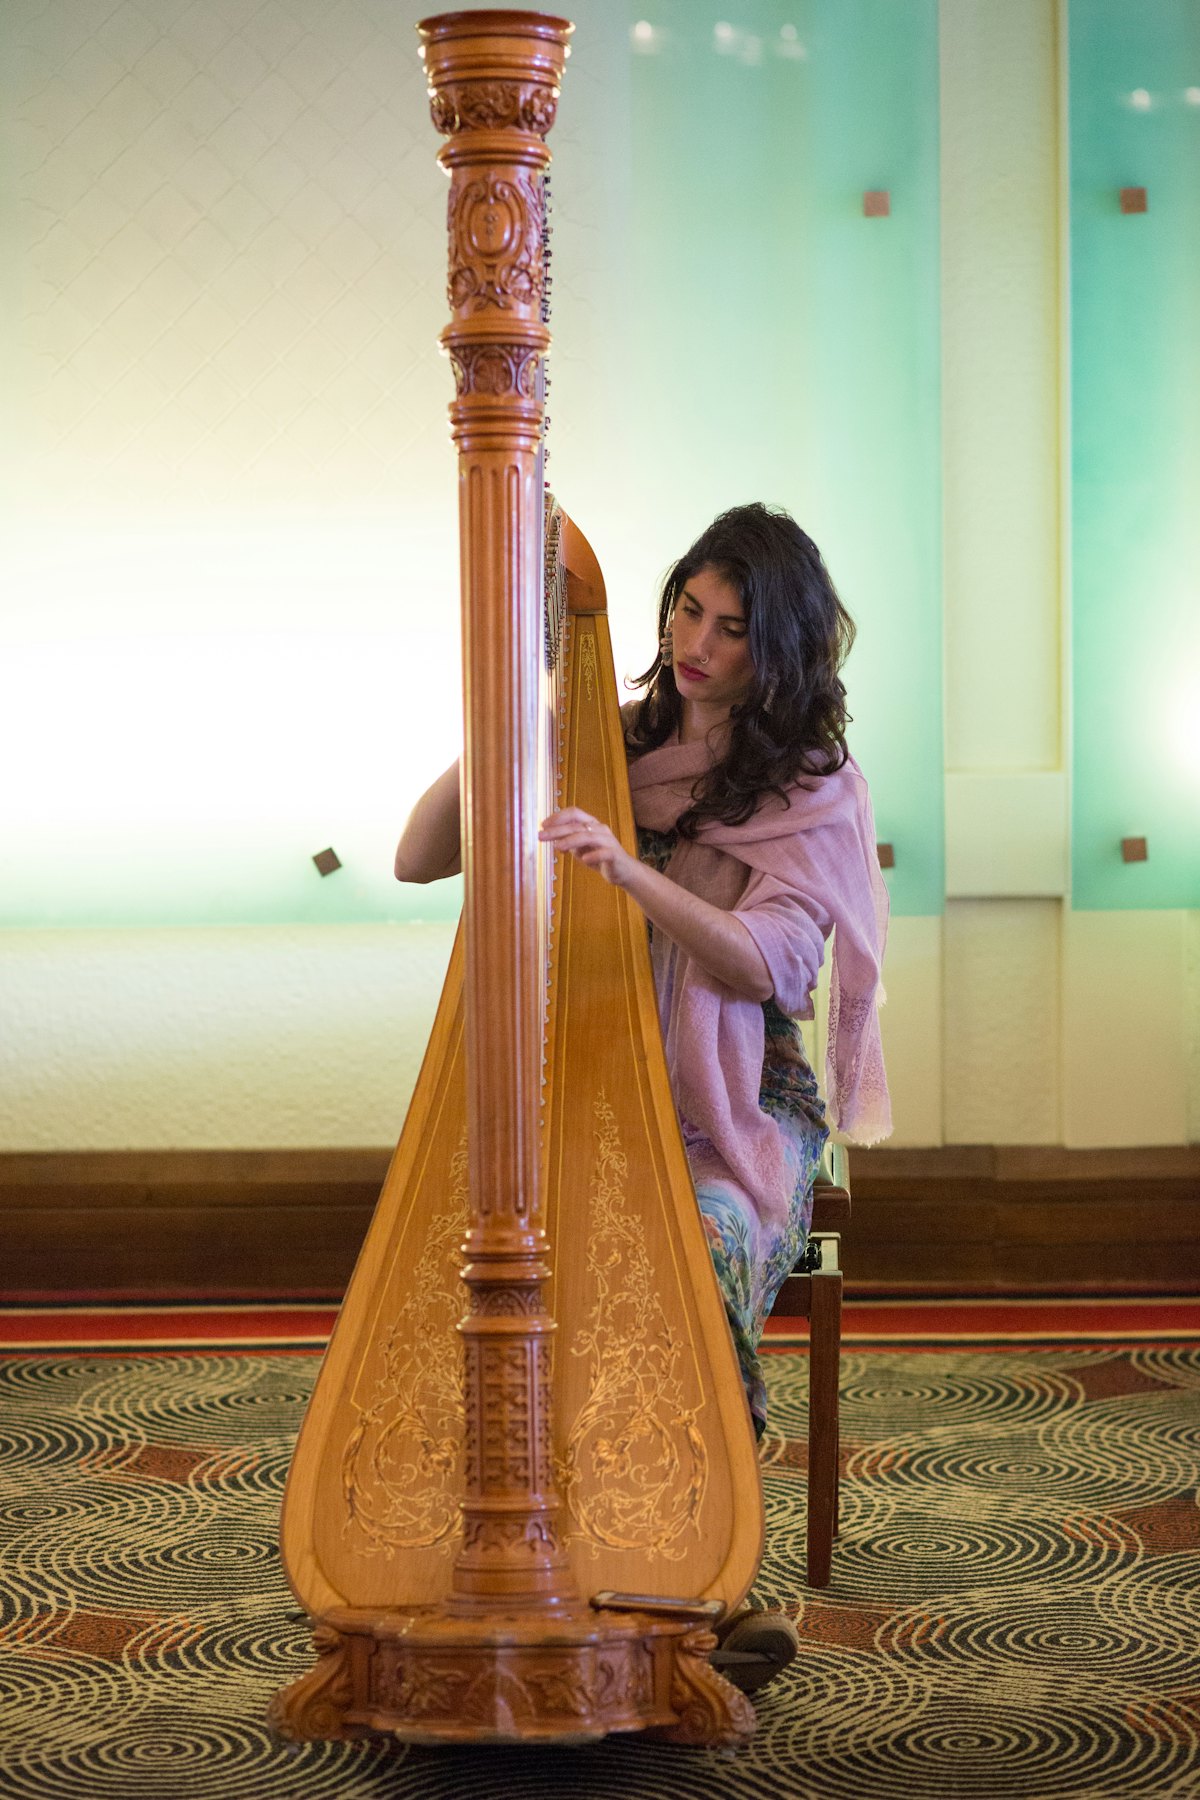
x: 315, y: 1706
x: 428, y: 1677
x: 711, y: 1711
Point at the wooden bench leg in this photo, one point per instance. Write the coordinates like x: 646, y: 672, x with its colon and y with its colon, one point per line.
x: 824, y: 1370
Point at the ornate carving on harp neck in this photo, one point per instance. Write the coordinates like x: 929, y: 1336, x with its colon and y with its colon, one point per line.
x: 587, y: 661
x: 495, y: 225
x: 402, y: 1466
x: 634, y: 1469
x: 493, y: 106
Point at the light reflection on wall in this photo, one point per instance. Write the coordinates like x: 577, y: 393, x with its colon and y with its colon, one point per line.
x: 234, y: 637
x: 184, y: 753
x: 1135, y: 313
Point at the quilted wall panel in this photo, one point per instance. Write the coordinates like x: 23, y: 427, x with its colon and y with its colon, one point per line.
x: 230, y: 226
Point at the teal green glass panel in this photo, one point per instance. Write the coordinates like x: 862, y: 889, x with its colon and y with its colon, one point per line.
x: 1135, y: 426
x: 787, y: 346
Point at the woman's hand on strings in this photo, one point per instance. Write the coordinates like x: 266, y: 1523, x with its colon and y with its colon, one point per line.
x: 715, y: 939
x: 589, y: 842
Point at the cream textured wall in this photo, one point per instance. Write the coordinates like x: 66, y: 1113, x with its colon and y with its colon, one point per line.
x: 227, y: 343
x: 214, y: 1038
x: 1000, y: 384
x: 210, y: 203
x: 1002, y: 1049
x: 1000, y: 1069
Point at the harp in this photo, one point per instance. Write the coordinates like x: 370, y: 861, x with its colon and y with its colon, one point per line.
x: 527, y: 1485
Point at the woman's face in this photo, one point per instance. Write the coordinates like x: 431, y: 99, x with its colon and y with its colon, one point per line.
x: 710, y: 642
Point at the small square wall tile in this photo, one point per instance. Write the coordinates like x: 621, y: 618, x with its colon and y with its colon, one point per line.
x: 1134, y: 200
x: 877, y: 203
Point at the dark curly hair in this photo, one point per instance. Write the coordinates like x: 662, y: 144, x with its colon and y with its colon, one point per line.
x: 793, y: 722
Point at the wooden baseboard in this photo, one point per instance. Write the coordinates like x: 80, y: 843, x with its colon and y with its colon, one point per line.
x: 965, y: 1219
x: 186, y: 1221
x: 1025, y: 1219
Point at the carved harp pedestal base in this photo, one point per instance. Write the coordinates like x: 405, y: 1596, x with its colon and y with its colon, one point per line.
x: 429, y: 1678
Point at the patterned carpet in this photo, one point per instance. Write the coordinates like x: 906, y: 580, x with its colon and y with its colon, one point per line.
x: 1015, y: 1607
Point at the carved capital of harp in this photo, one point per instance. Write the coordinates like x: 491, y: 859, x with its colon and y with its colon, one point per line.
x: 493, y: 106
x: 496, y: 363
x: 495, y: 226
x: 494, y: 370
x: 497, y: 74
x: 494, y: 95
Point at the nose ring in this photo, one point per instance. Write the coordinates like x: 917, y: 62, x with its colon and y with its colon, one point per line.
x: 702, y: 659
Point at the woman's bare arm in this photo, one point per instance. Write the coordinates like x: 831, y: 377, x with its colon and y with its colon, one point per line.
x: 713, y: 938
x: 430, y: 846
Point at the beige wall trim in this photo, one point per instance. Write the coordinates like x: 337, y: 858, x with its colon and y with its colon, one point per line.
x: 1001, y: 428
x: 1006, y: 835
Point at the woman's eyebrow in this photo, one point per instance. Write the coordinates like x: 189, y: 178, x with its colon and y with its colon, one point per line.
x: 732, y: 618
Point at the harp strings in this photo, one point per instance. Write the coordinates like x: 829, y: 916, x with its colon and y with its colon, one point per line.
x: 552, y: 698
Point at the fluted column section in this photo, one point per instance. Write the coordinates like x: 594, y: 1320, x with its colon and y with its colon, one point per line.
x: 493, y: 80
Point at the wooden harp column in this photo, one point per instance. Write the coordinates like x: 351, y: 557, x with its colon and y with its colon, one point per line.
x: 501, y: 1640
x: 494, y: 96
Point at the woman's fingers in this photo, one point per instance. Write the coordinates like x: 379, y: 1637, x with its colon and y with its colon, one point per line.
x: 578, y: 834
x: 572, y: 827
x: 570, y: 818
x: 581, y: 843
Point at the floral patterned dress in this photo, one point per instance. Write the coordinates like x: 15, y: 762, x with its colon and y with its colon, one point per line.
x: 751, y: 1259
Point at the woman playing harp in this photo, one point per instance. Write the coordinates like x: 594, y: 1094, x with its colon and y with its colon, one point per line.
x: 755, y: 844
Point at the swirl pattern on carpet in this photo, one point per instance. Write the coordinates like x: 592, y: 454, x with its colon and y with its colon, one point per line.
x: 1014, y: 1609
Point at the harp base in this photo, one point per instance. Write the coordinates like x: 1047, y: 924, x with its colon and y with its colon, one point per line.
x: 428, y: 1678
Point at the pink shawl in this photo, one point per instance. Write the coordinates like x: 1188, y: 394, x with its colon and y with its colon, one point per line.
x: 813, y: 869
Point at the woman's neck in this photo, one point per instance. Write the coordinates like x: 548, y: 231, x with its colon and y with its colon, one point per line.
x: 704, y: 724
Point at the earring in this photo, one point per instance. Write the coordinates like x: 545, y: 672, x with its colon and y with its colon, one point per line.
x: 666, y: 646
x: 768, y: 699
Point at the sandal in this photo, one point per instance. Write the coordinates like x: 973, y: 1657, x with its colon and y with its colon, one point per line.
x: 753, y: 1647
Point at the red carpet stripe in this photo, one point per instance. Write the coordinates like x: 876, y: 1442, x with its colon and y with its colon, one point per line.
x: 25, y: 1328
x: 981, y: 1323
x: 883, y: 1323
